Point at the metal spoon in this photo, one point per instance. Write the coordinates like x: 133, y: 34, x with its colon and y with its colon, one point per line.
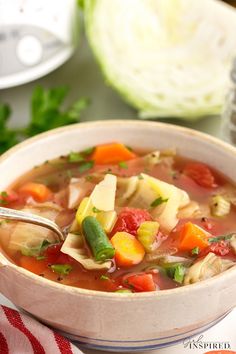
x: 17, y: 215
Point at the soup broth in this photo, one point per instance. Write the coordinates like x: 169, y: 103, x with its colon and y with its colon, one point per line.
x: 136, y: 221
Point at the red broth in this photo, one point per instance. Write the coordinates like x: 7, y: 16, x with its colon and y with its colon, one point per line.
x: 173, y: 254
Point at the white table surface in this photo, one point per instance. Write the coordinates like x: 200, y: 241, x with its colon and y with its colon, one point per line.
x: 82, y: 75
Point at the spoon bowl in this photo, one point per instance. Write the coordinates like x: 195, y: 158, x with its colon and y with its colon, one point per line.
x: 18, y: 215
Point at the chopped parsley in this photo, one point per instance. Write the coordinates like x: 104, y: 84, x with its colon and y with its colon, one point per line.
x: 3, y: 197
x: 62, y: 269
x: 88, y: 151
x: 179, y: 273
x: 85, y: 166
x: 96, y: 210
x: 158, y: 201
x: 195, y: 251
x: 35, y: 251
x: 104, y: 277
x: 123, y: 164
x: 75, y: 157
x: 40, y: 258
x: 175, y: 271
x: 221, y: 238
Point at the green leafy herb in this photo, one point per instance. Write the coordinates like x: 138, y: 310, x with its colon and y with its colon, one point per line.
x: 85, y: 166
x: 104, y: 277
x: 3, y: 198
x: 8, y: 136
x: 88, y: 151
x: 40, y: 258
x: 221, y: 238
x: 46, y: 114
x: 95, y: 210
x: 140, y: 177
x: 195, y: 251
x: 175, y: 271
x: 75, y: 157
x: 62, y: 269
x: 35, y: 251
x: 179, y: 273
x: 123, y: 164
x: 158, y: 201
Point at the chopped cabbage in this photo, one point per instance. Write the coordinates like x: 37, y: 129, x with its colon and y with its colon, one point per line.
x: 166, y: 57
x: 74, y: 247
x: 176, y: 198
x: 25, y: 237
x: 103, y: 195
x: 206, y: 268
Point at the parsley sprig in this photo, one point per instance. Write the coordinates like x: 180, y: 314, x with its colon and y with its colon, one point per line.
x: 46, y: 114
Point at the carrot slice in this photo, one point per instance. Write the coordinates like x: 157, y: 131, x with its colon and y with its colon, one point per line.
x: 192, y: 236
x: 112, y: 153
x: 32, y: 264
x: 129, y: 250
x: 38, y: 191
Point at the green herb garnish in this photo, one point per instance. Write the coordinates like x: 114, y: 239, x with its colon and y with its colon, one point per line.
x: 179, y: 273
x: 35, y: 251
x: 158, y: 201
x: 40, y: 258
x: 221, y: 238
x: 123, y: 164
x: 88, y: 151
x: 86, y: 166
x: 104, y: 277
x: 175, y: 271
x: 3, y: 195
x: 46, y: 114
x: 62, y: 269
x: 96, y: 210
x: 75, y: 157
x: 195, y: 251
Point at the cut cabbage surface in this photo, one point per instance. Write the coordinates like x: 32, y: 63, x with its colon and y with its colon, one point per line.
x: 74, y: 247
x: 168, y: 58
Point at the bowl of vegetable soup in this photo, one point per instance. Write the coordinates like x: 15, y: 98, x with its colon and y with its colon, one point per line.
x: 149, y: 216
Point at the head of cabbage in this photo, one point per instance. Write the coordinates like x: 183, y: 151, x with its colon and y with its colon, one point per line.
x: 168, y: 58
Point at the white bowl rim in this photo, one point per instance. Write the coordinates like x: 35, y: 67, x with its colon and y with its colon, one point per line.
x: 139, y: 296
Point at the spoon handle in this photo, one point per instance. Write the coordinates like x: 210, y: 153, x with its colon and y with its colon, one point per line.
x: 17, y: 215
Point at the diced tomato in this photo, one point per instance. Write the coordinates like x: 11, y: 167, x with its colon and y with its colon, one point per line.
x: 55, y: 256
x: 8, y: 197
x: 220, y: 248
x: 130, y: 219
x: 201, y: 174
x: 140, y: 282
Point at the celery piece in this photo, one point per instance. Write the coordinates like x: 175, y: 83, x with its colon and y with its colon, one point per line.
x: 147, y: 234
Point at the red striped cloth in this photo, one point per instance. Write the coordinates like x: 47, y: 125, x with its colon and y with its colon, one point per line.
x: 21, y: 334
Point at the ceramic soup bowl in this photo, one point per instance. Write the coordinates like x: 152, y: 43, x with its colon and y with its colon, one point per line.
x: 111, y: 321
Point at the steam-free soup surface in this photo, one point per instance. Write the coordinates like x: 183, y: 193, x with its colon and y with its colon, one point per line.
x: 136, y: 222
